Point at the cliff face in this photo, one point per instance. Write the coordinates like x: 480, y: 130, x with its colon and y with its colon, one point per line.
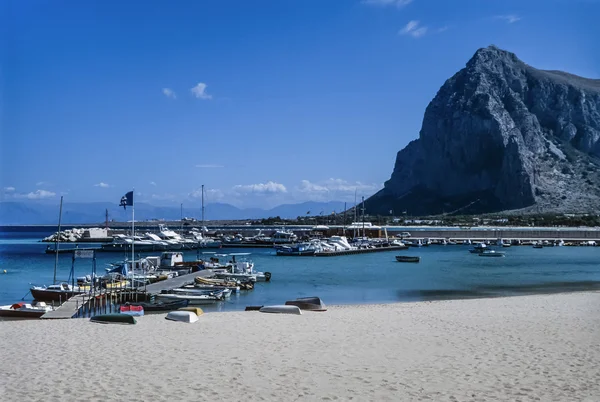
x: 501, y: 135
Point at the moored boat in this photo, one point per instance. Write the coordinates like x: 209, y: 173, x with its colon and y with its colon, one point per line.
x: 113, y: 319
x: 407, y: 258
x: 59, y: 292
x: 161, y: 306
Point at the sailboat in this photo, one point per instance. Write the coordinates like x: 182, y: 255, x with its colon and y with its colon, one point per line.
x: 56, y: 292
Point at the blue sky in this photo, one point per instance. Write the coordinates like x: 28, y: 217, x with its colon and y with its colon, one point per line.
x: 264, y: 102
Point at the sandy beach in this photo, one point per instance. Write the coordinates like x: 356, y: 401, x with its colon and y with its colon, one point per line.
x: 529, y: 348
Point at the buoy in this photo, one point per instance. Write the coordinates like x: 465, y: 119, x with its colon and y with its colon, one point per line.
x: 4, y: 271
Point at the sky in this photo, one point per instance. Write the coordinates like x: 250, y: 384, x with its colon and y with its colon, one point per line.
x: 263, y: 102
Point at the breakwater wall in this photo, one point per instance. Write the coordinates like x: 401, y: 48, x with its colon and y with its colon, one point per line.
x: 575, y: 234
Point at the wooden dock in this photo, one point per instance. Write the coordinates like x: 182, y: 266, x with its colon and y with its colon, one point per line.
x: 69, y: 308
x: 359, y: 251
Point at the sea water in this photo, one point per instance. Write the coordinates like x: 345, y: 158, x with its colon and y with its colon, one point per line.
x: 444, y: 272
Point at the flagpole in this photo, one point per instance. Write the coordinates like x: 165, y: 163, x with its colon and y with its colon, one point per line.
x: 133, y: 238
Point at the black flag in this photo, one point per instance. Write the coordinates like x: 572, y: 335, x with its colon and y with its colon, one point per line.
x: 127, y: 199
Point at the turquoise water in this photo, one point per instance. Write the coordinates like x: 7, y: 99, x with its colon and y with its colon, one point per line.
x: 444, y: 272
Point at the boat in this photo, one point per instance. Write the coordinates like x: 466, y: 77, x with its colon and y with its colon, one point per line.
x: 281, y: 309
x: 197, y: 310
x: 407, y: 258
x: 192, y: 299
x: 59, y: 292
x: 491, y: 253
x: 199, y: 291
x: 182, y: 316
x: 115, y: 318
x: 160, y: 306
x: 25, y: 310
x: 136, y: 311
x: 308, y: 303
x: 478, y: 248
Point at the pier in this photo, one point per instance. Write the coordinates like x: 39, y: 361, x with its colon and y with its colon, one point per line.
x: 359, y: 251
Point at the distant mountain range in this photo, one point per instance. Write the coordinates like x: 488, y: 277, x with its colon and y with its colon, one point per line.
x: 45, y: 213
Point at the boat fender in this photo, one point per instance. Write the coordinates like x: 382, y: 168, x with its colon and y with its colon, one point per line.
x: 267, y: 276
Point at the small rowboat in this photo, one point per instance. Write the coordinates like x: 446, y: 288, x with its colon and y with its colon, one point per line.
x: 182, y: 316
x: 307, y: 303
x: 113, y: 319
x: 196, y: 310
x: 406, y: 258
x: 281, y: 309
x: 136, y: 311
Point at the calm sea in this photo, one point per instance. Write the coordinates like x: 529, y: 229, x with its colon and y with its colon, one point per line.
x: 444, y: 272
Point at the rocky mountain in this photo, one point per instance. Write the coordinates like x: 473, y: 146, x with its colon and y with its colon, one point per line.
x: 501, y: 135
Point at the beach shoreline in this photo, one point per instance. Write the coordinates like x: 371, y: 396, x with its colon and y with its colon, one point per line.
x: 541, y: 347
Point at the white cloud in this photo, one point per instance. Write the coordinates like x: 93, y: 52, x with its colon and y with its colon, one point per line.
x: 413, y: 29
x: 199, y: 91
x: 169, y: 93
x: 442, y: 29
x: 269, y: 187
x: 9, y: 189
x: 102, y: 185
x: 37, y: 195
x: 210, y: 194
x: 210, y: 166
x: 385, y: 3
x: 337, y: 185
x: 509, y: 18
x: 42, y: 183
x: 152, y: 183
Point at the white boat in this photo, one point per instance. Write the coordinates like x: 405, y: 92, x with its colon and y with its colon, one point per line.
x: 192, y: 299
x: 491, y: 253
x: 199, y: 291
x: 284, y: 236
x: 25, y: 310
x: 281, y: 309
x: 182, y: 316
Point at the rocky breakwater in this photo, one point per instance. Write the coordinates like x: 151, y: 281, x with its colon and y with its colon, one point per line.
x: 76, y: 235
x: 501, y: 135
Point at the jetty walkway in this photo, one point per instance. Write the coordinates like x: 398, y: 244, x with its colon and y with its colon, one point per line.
x: 73, y: 305
x: 359, y: 251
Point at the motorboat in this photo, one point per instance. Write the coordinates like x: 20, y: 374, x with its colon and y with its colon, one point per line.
x: 202, y: 291
x: 478, y: 248
x: 491, y: 253
x: 25, y: 310
x: 192, y: 299
x: 407, y: 258
x: 283, y: 236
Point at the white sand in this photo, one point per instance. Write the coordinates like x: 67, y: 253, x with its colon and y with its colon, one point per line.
x: 544, y: 348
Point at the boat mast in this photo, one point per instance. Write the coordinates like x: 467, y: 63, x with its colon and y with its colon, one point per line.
x: 57, y: 240
x: 363, y: 215
x: 344, y: 224
x: 203, y: 205
x: 354, y: 226
x: 181, y: 220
